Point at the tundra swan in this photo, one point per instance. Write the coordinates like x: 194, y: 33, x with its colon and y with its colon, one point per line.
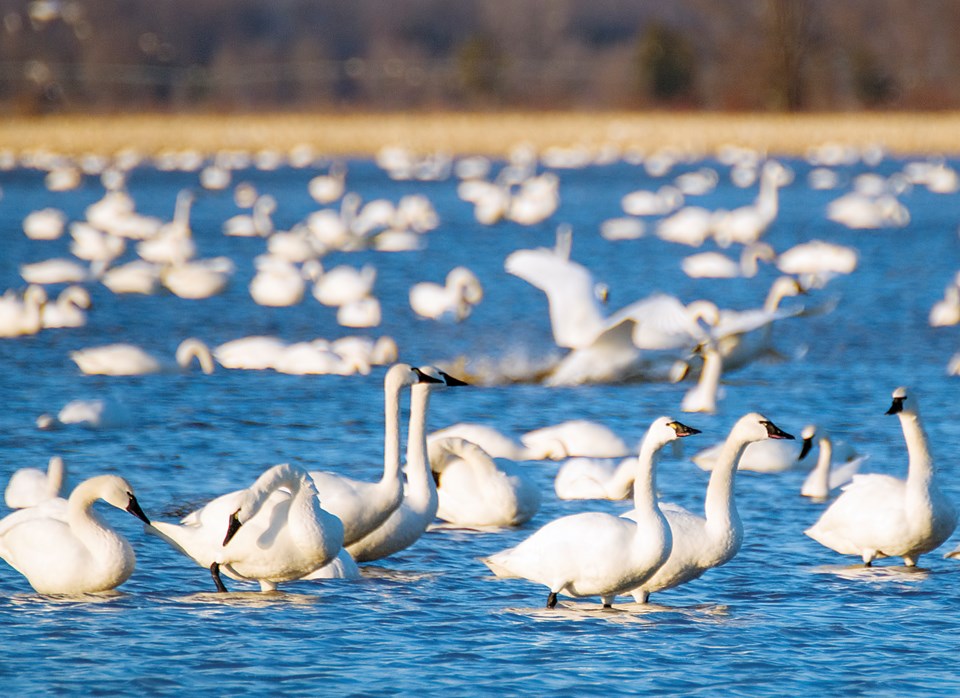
x: 45, y: 224
x: 703, y: 542
x: 363, y: 506
x: 22, y: 314
x: 137, y: 276
x: 254, y: 353
x: 62, y: 547
x: 130, y: 360
x: 344, y: 284
x: 714, y: 265
x: 199, y: 278
x: 825, y: 475
x: 880, y: 516
x: 54, y: 271
x: 277, y: 283
x: 492, y: 441
x: 275, y: 531
x: 29, y: 487
x: 68, y: 309
x: 452, y: 301
x: 816, y: 261
x: 747, y: 224
x: 595, y: 553
x: 410, y: 520
x: 702, y: 397
x: 473, y: 489
x: 767, y: 456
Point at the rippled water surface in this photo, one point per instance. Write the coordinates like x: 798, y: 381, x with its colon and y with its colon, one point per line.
x: 785, y: 617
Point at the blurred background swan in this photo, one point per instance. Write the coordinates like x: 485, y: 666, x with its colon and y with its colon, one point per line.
x: 452, y: 301
x: 124, y: 359
x: 29, y: 487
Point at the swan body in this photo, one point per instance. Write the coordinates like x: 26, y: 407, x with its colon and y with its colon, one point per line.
x: 199, y: 278
x: 767, y: 456
x: 277, y: 283
x: 453, y: 301
x: 576, y: 437
x: 63, y: 547
x: 880, y: 516
x: 595, y: 553
x: 344, y: 284
x: 275, y: 531
x: 45, y: 224
x: 22, y: 315
x: 29, y: 487
x: 595, y: 478
x: 364, y: 506
x: 254, y: 353
x: 827, y: 476
x: 703, y: 542
x: 54, y: 271
x: 475, y: 490
x: 407, y: 522
x: 138, y: 276
x: 130, y: 360
x: 714, y: 265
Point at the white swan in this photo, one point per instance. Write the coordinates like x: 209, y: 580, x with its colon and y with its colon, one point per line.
x: 410, y: 520
x: 452, y: 301
x: 816, y: 261
x: 137, y: 276
x: 475, y: 490
x: 702, y: 397
x: 825, y: 475
x: 68, y: 310
x: 747, y: 224
x: 363, y: 506
x: 45, y: 224
x: 767, y: 456
x: 275, y: 531
x: 880, y: 516
x: 22, y: 314
x: 595, y: 478
x: 130, y: 360
x: 97, y: 413
x: 703, y: 542
x: 344, y: 284
x: 254, y: 353
x: 491, y: 440
x: 199, y: 278
x: 277, y: 283
x: 54, y: 271
x: 595, y: 553
x: 575, y: 437
x: 28, y: 487
x: 714, y: 265
x: 63, y: 547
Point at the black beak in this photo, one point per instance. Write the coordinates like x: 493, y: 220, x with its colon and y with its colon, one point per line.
x: 775, y: 432
x: 805, y: 449
x: 134, y: 508
x: 424, y: 378
x: 232, y: 528
x: 683, y: 429
x: 897, y: 406
x: 451, y: 381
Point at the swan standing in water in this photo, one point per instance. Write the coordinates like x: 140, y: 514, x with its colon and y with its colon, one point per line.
x: 826, y: 476
x: 767, y: 456
x: 29, y: 487
x: 703, y: 542
x: 595, y: 553
x: 410, y: 520
x: 475, y: 490
x: 364, y: 506
x: 272, y: 532
x: 62, y: 547
x: 880, y: 516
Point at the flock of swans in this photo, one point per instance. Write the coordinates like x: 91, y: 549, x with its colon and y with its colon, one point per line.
x: 294, y: 524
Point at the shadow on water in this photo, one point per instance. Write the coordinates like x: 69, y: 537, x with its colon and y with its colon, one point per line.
x: 626, y: 613
x: 875, y: 574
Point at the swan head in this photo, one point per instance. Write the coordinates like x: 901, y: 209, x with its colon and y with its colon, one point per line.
x: 667, y: 429
x: 432, y: 374
x: 808, y: 434
x: 753, y: 426
x: 403, y: 375
x: 114, y: 490
x: 903, y: 402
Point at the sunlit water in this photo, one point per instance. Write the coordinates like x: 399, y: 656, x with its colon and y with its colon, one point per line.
x: 785, y: 617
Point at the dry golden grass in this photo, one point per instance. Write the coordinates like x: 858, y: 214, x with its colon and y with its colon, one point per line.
x: 481, y: 133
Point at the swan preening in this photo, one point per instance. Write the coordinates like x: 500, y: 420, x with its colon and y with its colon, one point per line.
x: 880, y: 516
x: 599, y: 554
x: 29, y: 487
x: 711, y: 540
x: 275, y: 531
x: 62, y: 547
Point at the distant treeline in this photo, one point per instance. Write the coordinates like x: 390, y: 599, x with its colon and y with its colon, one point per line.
x: 250, y: 55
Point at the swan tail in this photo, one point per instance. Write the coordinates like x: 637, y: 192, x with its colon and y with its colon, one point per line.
x: 497, y: 568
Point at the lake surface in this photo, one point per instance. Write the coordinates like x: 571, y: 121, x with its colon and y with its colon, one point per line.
x: 785, y: 617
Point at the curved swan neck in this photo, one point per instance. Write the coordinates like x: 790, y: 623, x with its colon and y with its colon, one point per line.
x: 645, y: 476
x: 821, y: 481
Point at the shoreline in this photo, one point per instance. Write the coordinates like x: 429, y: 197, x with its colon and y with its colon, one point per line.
x: 482, y: 133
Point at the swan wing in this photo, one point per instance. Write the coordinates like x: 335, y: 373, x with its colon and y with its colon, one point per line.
x: 662, y: 322
x: 575, y: 314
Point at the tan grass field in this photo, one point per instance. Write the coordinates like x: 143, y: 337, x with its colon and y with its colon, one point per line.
x: 481, y: 133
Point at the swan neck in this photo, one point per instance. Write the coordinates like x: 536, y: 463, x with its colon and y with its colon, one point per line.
x: 391, y: 434
x: 645, y: 478
x: 421, y: 486
x: 920, y: 470
x: 720, y: 505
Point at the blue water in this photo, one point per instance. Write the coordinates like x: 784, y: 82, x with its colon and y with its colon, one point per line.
x: 785, y: 617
